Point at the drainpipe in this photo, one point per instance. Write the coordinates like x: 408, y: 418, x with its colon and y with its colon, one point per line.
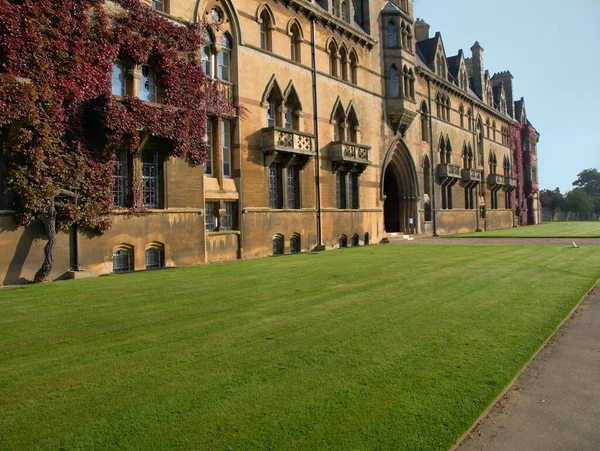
x: 75, y: 266
x: 433, y: 203
x: 316, y: 128
x: 477, y: 207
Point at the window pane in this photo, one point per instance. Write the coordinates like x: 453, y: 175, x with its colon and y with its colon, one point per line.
x: 207, y: 60
x: 118, y: 80
x: 153, y: 259
x: 158, y: 5
x: 228, y: 219
x: 150, y: 178
x: 208, y: 170
x: 209, y: 215
x: 122, y: 261
x: 226, y: 143
x: 224, y: 57
x: 147, y: 85
x: 275, y: 189
x: 121, y: 180
x: 292, y: 188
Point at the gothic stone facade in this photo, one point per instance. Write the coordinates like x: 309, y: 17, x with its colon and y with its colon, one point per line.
x: 358, y: 124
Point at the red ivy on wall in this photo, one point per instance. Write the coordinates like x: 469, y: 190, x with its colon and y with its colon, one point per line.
x: 519, y: 135
x: 70, y: 124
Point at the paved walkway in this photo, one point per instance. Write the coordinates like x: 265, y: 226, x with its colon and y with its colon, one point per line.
x: 555, y: 403
x: 486, y: 241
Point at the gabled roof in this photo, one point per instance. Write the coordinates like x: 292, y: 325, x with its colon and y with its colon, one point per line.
x: 389, y: 6
x: 427, y: 49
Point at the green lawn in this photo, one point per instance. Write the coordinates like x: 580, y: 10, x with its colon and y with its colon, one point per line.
x: 590, y: 229
x: 383, y: 347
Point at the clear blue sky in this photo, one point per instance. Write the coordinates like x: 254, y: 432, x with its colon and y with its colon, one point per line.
x: 552, y: 48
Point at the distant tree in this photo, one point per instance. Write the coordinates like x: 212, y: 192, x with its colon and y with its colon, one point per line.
x: 589, y: 181
x: 553, y: 200
x: 580, y: 202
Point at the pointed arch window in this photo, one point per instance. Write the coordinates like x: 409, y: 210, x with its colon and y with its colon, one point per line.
x: 208, y: 54
x: 344, y: 12
x: 265, y: 31
x: 424, y: 123
x: 394, y: 82
x: 225, y: 58
x: 494, y: 131
x: 295, y: 44
x: 461, y: 112
x: 293, y: 109
x: 470, y: 119
x: 339, y: 129
x: 344, y: 64
x: 353, y: 126
x: 295, y: 244
x: 353, y: 68
x: 278, y: 244
x: 409, y: 40
x: 391, y: 34
x: 404, y: 35
x: 333, y: 59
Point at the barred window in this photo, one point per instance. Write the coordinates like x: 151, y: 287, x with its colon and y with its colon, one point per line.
x: 228, y: 221
x: 121, y: 180
x: 153, y: 258
x: 340, y: 186
x: 122, y: 261
x: 210, y: 209
x: 151, y: 179
x: 275, y: 188
x: 295, y: 246
x: 343, y: 241
x: 278, y: 247
x: 293, y: 188
x: 353, y: 191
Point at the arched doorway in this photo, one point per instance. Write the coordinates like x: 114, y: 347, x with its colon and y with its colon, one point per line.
x: 400, y: 188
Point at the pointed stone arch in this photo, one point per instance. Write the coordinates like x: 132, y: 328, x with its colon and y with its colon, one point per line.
x: 229, y: 10
x: 294, y: 21
x: 259, y: 12
x: 400, y: 189
x: 328, y: 45
x: 337, y: 106
x: 271, y: 85
x: 290, y: 90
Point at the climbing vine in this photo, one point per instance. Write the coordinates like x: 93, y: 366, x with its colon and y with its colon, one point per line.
x: 519, y: 134
x: 60, y: 124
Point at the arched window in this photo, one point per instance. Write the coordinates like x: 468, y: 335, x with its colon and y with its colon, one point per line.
x: 339, y: 129
x: 393, y: 81
x: 353, y: 125
x: 265, y: 31
x: 225, y: 58
x: 411, y: 77
x: 344, y: 64
x: 295, y: 244
x: 439, y: 105
x: 494, y: 130
x: 391, y: 34
x: 295, y: 44
x: 448, y: 151
x: 208, y: 54
x: 278, y: 244
x: 367, y: 239
x: 148, y: 86
x: 293, y: 108
x: 404, y: 35
x: 344, y: 11
x: 353, y: 68
x: 470, y: 119
x: 480, y: 138
x: 155, y: 256
x: 424, y: 123
x: 160, y: 5
x: 448, y: 108
x: 336, y: 8
x: 343, y: 241
x: 333, y: 59
x: 487, y: 127
x: 461, y: 112
x: 118, y: 79
x: 274, y: 104
x: 465, y: 156
x: 409, y: 38
x: 442, y: 150
x: 427, y: 187
x: 355, y: 240
x: 123, y: 258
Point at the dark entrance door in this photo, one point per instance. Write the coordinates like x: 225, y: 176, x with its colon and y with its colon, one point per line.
x: 391, y: 208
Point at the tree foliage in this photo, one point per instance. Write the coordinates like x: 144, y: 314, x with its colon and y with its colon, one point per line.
x: 55, y: 83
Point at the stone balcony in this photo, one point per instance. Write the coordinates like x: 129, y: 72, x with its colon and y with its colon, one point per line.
x: 510, y: 183
x: 471, y: 175
x: 495, y: 181
x: 448, y: 174
x: 349, y: 156
x: 281, y: 145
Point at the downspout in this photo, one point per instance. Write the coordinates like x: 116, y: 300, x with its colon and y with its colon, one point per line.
x: 316, y: 131
x: 477, y: 207
x: 75, y: 266
x: 433, y: 202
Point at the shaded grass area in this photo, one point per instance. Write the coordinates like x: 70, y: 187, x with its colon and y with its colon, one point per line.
x: 579, y: 229
x: 385, y: 347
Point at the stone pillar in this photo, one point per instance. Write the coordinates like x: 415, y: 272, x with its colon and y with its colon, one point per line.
x: 134, y: 76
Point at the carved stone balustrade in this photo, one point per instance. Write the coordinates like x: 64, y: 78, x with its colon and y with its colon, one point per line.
x: 510, y: 183
x: 349, y: 156
x: 288, y: 147
x: 449, y: 174
x: 495, y: 180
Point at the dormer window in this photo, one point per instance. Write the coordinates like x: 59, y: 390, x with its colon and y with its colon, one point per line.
x: 148, y: 87
x: 118, y: 79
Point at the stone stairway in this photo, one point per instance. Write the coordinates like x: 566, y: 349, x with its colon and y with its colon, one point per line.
x: 396, y: 238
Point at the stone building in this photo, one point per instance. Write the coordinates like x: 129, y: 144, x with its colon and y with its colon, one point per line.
x: 359, y: 124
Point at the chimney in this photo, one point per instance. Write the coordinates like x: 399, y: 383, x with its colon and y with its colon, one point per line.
x: 506, y: 79
x: 477, y: 70
x: 421, y: 30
